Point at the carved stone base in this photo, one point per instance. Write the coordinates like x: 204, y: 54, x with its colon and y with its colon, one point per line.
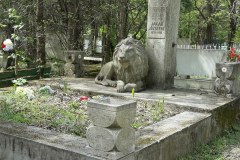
x: 228, y: 78
x: 105, y: 139
x: 111, y: 130
x: 74, y: 64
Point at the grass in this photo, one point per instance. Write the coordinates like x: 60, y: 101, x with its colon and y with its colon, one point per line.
x: 42, y: 112
x: 214, y: 150
x: 64, y: 112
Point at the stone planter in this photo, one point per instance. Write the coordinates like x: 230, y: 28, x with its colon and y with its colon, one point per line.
x: 111, y: 125
x: 228, y: 78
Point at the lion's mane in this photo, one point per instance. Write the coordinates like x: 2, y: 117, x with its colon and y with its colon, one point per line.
x: 138, y: 62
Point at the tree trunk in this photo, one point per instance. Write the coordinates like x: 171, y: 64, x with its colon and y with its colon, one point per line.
x: 108, y: 47
x: 74, y: 25
x: 106, y: 43
x: 232, y: 22
x: 31, y: 43
x: 209, y: 28
x: 40, y: 34
x: 94, y: 27
x: 122, y: 19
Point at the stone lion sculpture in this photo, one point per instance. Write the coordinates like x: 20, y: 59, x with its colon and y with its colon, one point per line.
x: 128, y: 68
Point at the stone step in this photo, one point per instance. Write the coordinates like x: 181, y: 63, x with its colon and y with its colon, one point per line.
x: 173, y: 137
x: 203, y: 84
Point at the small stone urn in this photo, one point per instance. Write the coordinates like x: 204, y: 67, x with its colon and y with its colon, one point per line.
x: 228, y: 78
x: 74, y: 63
x: 111, y: 125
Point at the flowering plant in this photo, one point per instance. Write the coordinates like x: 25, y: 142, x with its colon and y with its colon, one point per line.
x: 232, y: 56
x: 7, y: 45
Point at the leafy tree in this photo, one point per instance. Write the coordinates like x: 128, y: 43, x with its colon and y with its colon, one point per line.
x: 209, y: 21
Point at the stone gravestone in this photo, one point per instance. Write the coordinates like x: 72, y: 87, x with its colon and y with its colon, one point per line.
x: 74, y: 63
x: 162, y: 30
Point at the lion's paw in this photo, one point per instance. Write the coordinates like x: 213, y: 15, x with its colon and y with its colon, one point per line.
x: 112, y: 83
x: 120, y: 86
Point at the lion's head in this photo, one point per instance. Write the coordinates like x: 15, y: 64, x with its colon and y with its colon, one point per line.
x: 130, y: 61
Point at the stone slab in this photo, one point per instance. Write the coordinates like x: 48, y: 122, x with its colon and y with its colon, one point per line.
x: 21, y: 142
x: 173, y: 137
x: 106, y: 118
x: 196, y: 100
x: 112, y: 104
x: 25, y: 142
x: 199, y: 84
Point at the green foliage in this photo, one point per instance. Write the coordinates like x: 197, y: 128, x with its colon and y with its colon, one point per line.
x: 133, y: 92
x: 161, y: 105
x: 149, y: 113
x: 136, y: 125
x: 74, y: 104
x: 19, y: 81
x: 158, y: 109
x: 197, y: 17
x: 214, y: 150
x: 17, y: 108
x: 65, y: 87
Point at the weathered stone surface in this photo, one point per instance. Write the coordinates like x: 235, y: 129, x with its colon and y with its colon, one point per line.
x: 74, y: 63
x: 21, y: 142
x: 111, y: 130
x: 173, y: 137
x: 128, y: 69
x: 4, y: 60
x: 69, y: 70
x: 112, y: 112
x: 162, y: 30
x: 101, y: 138
x: 227, y: 70
x: 106, y: 139
x: 228, y: 78
x: 125, y: 141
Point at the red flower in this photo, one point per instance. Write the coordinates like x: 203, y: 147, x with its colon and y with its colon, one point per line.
x: 3, y: 45
x: 239, y: 57
x: 83, y: 98
x: 232, y: 54
x: 232, y: 49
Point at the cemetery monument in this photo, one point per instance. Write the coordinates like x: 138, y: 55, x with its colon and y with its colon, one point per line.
x: 128, y: 69
x: 162, y: 30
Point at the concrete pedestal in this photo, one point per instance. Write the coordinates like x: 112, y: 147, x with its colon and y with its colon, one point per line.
x: 74, y: 63
x: 111, y: 129
x: 228, y: 78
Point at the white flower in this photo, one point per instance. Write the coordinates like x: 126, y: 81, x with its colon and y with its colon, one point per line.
x: 8, y: 45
